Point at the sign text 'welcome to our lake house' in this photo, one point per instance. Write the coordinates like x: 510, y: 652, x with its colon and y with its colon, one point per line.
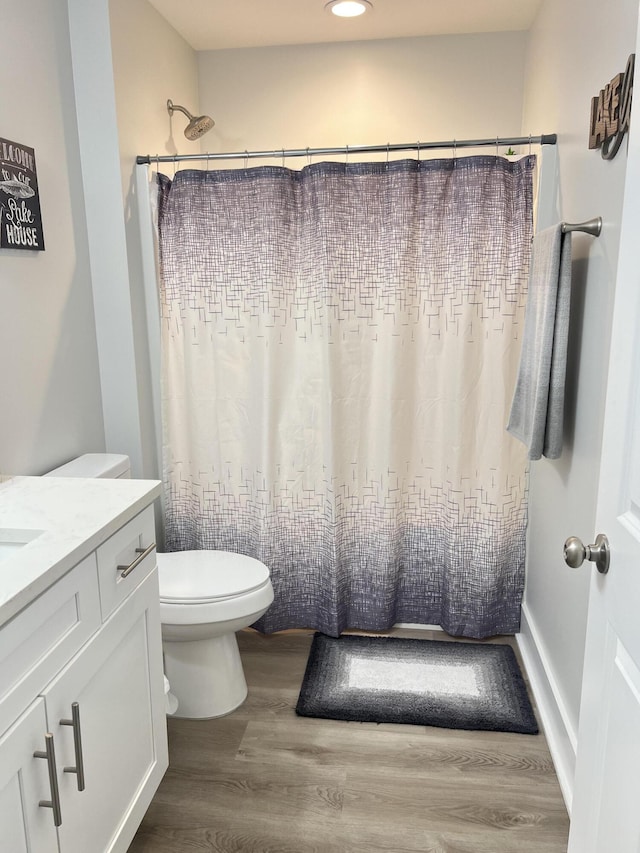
x: 20, y: 217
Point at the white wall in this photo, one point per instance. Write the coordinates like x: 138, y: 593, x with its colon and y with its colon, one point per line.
x: 151, y: 63
x: 575, y: 47
x: 50, y: 402
x: 395, y: 90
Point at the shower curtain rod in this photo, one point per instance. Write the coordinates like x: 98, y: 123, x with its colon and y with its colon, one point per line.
x: 543, y: 139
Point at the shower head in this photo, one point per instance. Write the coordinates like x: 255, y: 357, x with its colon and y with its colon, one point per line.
x: 198, y: 125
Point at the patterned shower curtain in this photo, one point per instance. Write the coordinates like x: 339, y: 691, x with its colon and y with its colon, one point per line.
x: 340, y: 347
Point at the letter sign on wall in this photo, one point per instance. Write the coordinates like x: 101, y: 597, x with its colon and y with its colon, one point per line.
x: 20, y: 218
x: 611, y: 111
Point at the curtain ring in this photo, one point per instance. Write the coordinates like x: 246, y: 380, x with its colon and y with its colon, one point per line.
x: 246, y: 159
x: 174, y: 166
x: 455, y: 149
x: 346, y: 154
x: 308, y: 157
x: 387, y: 153
x: 207, y: 158
x: 283, y: 158
x: 497, y: 152
x: 529, y: 145
x: 418, y: 147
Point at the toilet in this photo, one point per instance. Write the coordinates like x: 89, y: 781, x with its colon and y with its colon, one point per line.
x: 205, y: 597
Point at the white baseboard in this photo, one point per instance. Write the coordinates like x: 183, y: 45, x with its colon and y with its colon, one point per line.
x: 557, y: 726
x: 559, y: 731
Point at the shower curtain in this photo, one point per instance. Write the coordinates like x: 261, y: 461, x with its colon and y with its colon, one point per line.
x: 340, y: 347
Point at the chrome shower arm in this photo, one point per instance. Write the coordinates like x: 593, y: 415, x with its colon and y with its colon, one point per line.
x: 171, y: 108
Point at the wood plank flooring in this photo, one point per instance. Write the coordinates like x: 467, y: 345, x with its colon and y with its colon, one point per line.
x: 263, y: 780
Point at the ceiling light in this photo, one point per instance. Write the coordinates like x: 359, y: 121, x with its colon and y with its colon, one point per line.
x: 348, y: 8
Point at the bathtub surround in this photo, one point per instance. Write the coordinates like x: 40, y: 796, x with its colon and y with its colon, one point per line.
x: 340, y: 349
x: 422, y: 682
x: 538, y: 402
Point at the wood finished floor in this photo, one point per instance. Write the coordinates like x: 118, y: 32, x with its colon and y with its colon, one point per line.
x: 263, y: 780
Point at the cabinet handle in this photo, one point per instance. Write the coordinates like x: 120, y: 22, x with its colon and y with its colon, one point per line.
x: 142, y: 553
x: 77, y: 744
x: 50, y: 755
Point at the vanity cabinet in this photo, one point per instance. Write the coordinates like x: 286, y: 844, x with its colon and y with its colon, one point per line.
x: 85, y: 660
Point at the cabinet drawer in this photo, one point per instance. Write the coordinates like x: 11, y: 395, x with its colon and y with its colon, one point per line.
x: 39, y: 640
x: 122, y: 564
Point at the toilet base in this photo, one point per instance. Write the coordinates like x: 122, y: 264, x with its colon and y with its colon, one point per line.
x: 206, y: 676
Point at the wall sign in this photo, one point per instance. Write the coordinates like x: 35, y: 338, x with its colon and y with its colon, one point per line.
x: 611, y: 111
x: 20, y: 218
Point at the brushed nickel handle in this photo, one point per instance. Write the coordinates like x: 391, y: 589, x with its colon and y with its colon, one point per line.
x: 142, y: 553
x: 575, y: 553
x: 50, y: 755
x: 77, y: 745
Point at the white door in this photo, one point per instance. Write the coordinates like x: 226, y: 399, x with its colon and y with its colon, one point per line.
x: 606, y: 804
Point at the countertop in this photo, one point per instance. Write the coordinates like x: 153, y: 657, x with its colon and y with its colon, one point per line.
x: 75, y: 515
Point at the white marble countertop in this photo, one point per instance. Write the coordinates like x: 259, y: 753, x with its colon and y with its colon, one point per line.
x: 75, y: 515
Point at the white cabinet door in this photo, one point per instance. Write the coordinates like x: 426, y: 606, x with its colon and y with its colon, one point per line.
x: 25, y: 827
x: 117, y: 682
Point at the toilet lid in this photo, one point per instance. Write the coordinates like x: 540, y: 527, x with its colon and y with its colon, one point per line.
x: 195, y: 577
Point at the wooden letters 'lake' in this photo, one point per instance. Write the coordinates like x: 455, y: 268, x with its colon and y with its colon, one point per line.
x: 611, y: 111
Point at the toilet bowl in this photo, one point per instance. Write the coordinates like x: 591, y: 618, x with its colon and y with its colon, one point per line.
x: 205, y: 597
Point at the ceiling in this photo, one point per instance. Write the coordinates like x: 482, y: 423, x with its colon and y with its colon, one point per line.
x: 217, y: 24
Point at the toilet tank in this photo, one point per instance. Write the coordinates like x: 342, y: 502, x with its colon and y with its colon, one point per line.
x: 111, y: 466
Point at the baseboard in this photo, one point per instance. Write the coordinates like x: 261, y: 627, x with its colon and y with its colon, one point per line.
x: 418, y: 627
x: 559, y: 731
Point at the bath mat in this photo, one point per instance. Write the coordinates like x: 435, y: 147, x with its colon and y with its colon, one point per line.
x: 424, y: 682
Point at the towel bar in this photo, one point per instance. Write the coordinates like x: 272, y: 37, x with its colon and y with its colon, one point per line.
x: 591, y: 226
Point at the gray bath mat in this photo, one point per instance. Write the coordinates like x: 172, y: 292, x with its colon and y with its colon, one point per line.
x: 424, y: 682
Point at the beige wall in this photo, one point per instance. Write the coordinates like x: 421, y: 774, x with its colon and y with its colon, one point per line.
x: 575, y: 47
x: 50, y: 401
x: 151, y: 63
x: 395, y: 90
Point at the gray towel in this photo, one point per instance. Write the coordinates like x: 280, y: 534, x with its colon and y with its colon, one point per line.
x: 538, y: 402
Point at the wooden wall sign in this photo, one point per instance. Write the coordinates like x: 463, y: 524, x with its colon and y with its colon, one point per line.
x: 611, y: 111
x: 20, y: 218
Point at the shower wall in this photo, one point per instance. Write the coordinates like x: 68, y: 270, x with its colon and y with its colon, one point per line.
x: 151, y: 63
x: 395, y: 90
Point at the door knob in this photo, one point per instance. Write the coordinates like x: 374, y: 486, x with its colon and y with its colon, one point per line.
x: 575, y: 553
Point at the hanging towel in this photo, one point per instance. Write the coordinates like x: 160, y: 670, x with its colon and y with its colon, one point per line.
x: 538, y: 402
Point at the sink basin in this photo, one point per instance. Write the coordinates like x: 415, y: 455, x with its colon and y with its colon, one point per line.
x: 11, y: 540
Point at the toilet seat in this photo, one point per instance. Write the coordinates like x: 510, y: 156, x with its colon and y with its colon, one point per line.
x: 208, y: 577
x: 212, y: 587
